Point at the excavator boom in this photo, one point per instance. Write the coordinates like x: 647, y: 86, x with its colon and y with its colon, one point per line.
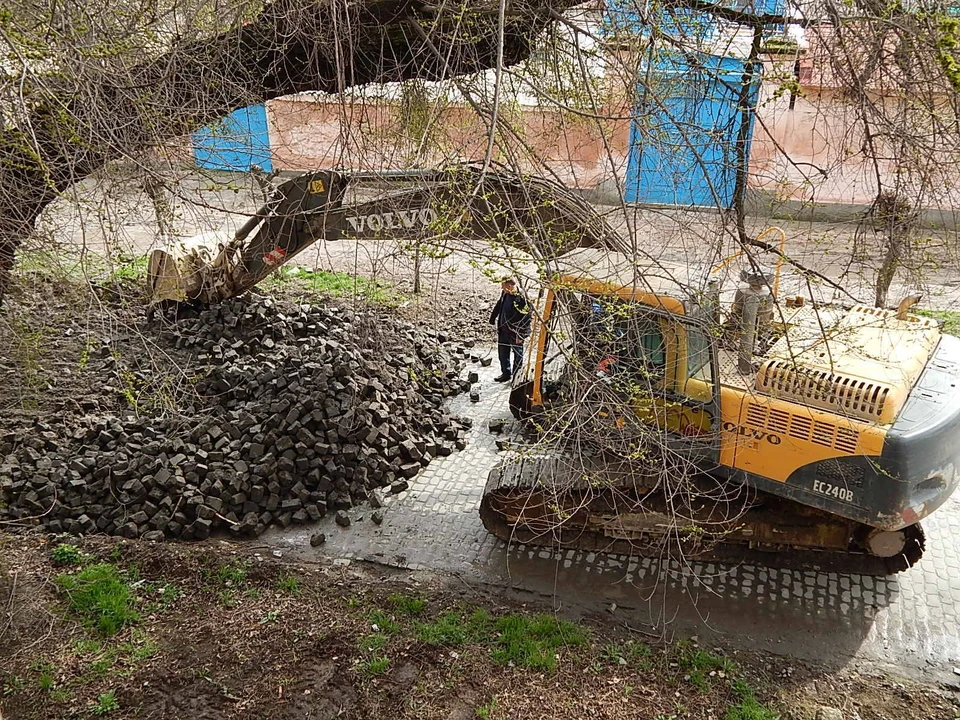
x: 535, y: 215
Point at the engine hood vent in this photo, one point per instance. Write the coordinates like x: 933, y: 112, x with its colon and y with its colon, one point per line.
x: 844, y: 395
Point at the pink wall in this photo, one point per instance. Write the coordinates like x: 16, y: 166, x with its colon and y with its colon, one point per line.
x: 808, y: 154
x: 365, y: 135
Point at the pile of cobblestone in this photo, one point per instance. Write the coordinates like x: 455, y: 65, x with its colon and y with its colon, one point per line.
x: 297, y: 411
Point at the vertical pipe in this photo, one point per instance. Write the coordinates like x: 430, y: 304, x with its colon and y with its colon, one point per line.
x: 748, y: 332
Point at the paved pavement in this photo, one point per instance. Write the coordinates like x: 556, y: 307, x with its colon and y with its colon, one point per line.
x: 909, y: 620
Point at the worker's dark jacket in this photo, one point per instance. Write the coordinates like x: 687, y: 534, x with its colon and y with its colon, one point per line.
x: 512, y: 317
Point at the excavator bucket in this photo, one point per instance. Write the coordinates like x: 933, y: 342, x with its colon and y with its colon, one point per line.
x: 184, y: 271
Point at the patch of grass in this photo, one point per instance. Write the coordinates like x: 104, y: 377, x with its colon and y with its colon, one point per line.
x: 691, y: 658
x: 532, y: 641
x: 46, y: 671
x: 101, y: 597
x: 700, y: 665
x: 270, y: 617
x: 129, y: 269
x: 949, y: 319
x: 337, y: 284
x: 228, y: 598
x: 46, y: 682
x: 106, y: 704
x: 453, y: 629
x: 377, y: 665
x: 747, y: 706
x: 406, y: 604
x: 373, y: 642
x: 382, y: 622
x: 167, y: 594
x: 637, y: 654
x: 85, y: 646
x: 289, y: 584
x: 139, y: 648
x: 67, y: 554
x: 486, y: 710
x: 232, y: 574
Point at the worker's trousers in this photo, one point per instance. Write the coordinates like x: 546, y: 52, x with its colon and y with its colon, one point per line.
x: 507, y: 350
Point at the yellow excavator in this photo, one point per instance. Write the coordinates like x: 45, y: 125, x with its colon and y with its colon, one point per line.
x: 783, y: 433
x: 765, y: 430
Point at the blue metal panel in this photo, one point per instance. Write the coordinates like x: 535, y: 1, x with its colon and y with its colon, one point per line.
x: 236, y: 142
x: 690, y: 26
x: 682, y: 139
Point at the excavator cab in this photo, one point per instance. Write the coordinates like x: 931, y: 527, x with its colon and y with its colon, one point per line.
x: 652, y: 362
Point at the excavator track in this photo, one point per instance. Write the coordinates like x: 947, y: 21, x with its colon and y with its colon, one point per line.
x: 616, y: 509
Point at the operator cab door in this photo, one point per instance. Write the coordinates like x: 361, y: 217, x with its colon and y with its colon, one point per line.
x: 664, y: 366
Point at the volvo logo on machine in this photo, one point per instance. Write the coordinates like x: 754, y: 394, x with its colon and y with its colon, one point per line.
x: 399, y: 220
x: 753, y: 433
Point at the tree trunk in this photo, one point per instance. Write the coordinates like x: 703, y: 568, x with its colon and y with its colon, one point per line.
x: 291, y: 47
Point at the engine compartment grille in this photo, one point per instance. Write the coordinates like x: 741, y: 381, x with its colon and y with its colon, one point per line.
x: 842, y: 394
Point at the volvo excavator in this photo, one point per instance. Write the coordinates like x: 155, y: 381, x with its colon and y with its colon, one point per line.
x: 768, y: 430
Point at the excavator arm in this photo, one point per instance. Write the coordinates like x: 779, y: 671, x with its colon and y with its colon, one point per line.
x: 537, y: 216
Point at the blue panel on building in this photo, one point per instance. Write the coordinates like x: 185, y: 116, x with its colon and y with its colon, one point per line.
x: 632, y: 17
x: 236, y: 142
x: 683, y: 137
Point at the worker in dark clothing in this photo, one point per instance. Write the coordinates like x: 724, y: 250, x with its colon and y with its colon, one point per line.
x: 512, y: 317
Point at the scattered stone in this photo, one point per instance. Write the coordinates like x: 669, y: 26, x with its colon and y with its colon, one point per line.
x: 398, y: 487
x: 486, y: 362
x: 828, y: 713
x: 496, y: 426
x: 377, y: 517
x: 317, y: 539
x: 473, y: 377
x: 474, y: 396
x: 341, y: 518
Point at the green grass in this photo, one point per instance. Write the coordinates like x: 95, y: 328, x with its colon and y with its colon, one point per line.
x: 129, y: 269
x: 67, y: 554
x: 106, y: 704
x: 453, y: 629
x: 46, y: 681
x: 406, y: 604
x: 747, y: 706
x: 337, y: 284
x: 700, y: 665
x: 949, y: 319
x: 167, y: 594
x: 100, y: 595
x: 382, y: 622
x: 486, y: 710
x: 532, y: 641
x: 373, y: 642
x: 527, y: 641
x: 376, y: 665
x: 232, y: 574
x: 289, y: 584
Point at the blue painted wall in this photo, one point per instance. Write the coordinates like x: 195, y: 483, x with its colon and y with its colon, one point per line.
x: 682, y: 138
x: 236, y: 142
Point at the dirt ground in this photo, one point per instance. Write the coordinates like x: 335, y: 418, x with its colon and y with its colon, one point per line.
x: 226, y: 632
